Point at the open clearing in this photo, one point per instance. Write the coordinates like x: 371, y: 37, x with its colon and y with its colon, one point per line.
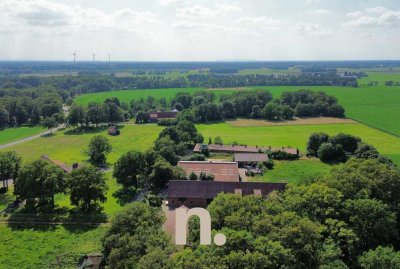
x: 296, y: 121
x: 13, y: 134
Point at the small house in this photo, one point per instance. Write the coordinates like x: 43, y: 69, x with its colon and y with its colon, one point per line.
x: 113, y: 130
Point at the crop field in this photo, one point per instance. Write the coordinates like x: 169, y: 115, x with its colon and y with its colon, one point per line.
x: 297, y: 135
x: 12, y: 134
x: 69, y: 147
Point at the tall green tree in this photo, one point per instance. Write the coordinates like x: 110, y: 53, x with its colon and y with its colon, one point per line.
x: 129, y: 168
x: 87, y: 187
x: 99, y: 147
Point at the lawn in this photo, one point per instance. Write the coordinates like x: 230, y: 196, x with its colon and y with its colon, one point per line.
x: 294, y: 171
x: 297, y: 135
x: 12, y: 134
x: 69, y: 147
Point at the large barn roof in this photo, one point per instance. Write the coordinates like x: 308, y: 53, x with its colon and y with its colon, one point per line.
x: 222, y: 171
x: 210, y: 189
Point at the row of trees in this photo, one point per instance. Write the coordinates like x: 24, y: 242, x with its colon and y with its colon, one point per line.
x: 255, y: 104
x: 347, y: 219
x: 110, y: 111
x: 29, y: 109
x: 39, y: 181
x: 341, y: 147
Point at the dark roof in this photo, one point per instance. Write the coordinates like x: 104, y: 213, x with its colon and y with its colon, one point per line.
x: 225, y: 148
x: 251, y: 157
x: 210, y: 189
x: 222, y: 171
x: 163, y: 115
x: 241, y: 149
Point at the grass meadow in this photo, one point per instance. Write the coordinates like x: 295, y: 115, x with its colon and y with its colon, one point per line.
x: 12, y: 134
x: 297, y: 135
x: 69, y: 147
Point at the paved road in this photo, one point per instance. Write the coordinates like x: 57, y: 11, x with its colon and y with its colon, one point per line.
x: 30, y: 138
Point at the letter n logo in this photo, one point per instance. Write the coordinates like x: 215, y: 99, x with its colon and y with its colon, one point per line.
x: 182, y: 217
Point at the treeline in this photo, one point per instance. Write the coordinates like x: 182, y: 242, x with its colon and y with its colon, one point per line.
x: 89, y: 83
x: 204, y: 106
x: 347, y: 219
x: 30, y: 106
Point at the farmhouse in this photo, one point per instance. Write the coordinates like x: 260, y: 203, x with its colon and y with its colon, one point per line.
x: 240, y: 149
x: 66, y: 168
x: 222, y: 171
x: 160, y: 115
x: 225, y: 148
x: 201, y: 193
x: 250, y: 159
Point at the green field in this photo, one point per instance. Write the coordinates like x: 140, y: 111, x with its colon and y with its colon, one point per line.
x: 294, y: 171
x: 39, y: 246
x: 69, y: 147
x: 128, y: 95
x: 12, y: 134
x: 297, y: 136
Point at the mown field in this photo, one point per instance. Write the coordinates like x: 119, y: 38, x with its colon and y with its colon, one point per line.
x: 69, y: 147
x: 297, y: 135
x: 12, y: 134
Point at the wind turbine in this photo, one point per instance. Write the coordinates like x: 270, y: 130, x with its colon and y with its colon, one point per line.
x: 109, y: 58
x: 75, y: 56
x: 94, y: 56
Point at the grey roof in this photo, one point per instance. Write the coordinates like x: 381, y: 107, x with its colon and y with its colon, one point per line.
x: 210, y: 189
x: 251, y: 157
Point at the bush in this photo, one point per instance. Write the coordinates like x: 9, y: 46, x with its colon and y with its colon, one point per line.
x: 314, y: 142
x: 336, y: 111
x: 194, y: 157
x: 167, y: 122
x: 329, y: 152
x: 305, y: 110
x: 283, y: 155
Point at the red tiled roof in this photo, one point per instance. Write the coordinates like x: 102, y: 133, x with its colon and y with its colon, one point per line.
x: 222, y: 171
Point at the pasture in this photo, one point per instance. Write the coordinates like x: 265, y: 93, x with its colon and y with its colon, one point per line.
x: 69, y: 146
x: 294, y: 171
x: 128, y: 95
x: 297, y: 135
x: 13, y: 134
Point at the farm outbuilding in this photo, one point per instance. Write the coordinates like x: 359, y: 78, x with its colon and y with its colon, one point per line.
x: 251, y: 159
x: 201, y: 193
x: 222, y: 171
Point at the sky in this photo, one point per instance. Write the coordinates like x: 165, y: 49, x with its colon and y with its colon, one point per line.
x: 201, y: 30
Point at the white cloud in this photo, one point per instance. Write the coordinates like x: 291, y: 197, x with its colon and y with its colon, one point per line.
x: 354, y: 14
x: 167, y: 2
x: 318, y: 12
x: 374, y: 17
x: 312, y: 1
x: 312, y: 29
x: 46, y: 15
x: 264, y: 22
x: 198, y: 11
